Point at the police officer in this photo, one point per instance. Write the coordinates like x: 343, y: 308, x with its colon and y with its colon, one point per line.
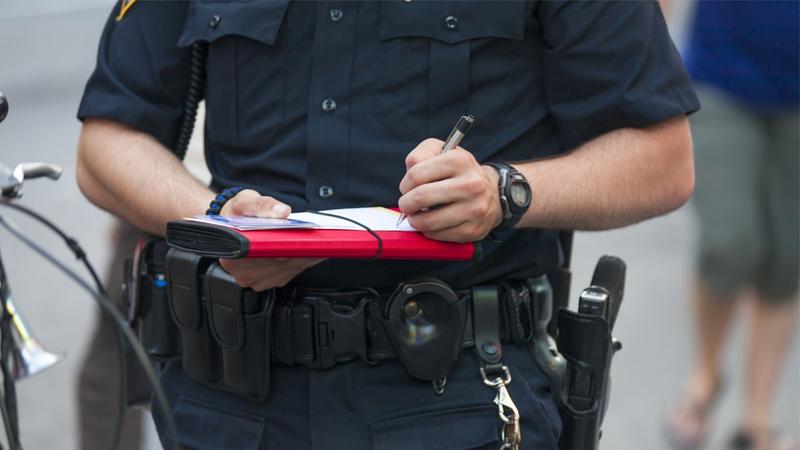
x: 342, y: 104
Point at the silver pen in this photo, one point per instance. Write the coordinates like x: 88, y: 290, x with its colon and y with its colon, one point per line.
x: 459, y: 131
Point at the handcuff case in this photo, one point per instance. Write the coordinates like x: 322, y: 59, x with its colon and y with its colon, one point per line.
x: 425, y: 322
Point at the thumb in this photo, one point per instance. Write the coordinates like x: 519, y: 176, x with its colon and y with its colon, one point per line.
x: 250, y: 203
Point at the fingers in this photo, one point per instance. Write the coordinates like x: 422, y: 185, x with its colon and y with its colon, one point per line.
x: 284, y: 277
x: 452, y: 224
x: 444, y: 165
x: 425, y: 150
x: 250, y: 203
x: 263, y: 274
x: 466, y: 186
x: 438, y: 219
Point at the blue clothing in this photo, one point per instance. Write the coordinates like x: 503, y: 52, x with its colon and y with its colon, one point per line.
x: 317, y: 104
x: 354, y: 407
x: 749, y: 49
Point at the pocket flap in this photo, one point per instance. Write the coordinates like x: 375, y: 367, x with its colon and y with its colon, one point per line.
x: 452, y: 22
x: 224, y: 302
x: 208, y: 21
x: 207, y: 427
x: 457, y: 429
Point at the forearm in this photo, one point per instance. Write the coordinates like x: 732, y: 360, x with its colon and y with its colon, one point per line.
x: 620, y: 178
x: 133, y: 176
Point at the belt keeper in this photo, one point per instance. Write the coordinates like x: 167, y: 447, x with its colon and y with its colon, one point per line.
x: 486, y: 326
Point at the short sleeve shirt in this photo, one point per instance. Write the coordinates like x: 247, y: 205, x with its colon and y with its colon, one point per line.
x: 318, y: 103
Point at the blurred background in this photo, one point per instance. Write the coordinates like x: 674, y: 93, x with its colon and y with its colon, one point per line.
x: 47, y: 51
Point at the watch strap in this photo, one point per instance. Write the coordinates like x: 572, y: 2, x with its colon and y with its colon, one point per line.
x: 506, y: 172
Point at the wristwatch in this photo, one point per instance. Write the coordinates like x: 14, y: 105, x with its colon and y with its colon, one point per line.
x: 515, y: 194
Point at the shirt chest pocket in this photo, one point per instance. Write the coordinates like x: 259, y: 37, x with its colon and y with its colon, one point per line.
x: 441, y: 59
x: 245, y: 69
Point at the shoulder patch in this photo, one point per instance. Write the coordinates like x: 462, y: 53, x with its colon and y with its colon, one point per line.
x: 124, y: 6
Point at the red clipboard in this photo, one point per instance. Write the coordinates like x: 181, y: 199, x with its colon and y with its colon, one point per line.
x: 224, y: 242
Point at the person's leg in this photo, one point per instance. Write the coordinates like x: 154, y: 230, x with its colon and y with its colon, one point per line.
x: 98, y: 390
x: 712, y: 317
x: 774, y: 313
x: 730, y: 250
x: 772, y: 326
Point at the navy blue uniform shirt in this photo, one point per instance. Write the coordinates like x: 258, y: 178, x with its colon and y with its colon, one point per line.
x: 317, y: 104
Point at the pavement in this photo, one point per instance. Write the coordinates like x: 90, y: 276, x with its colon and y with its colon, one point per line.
x: 47, y: 51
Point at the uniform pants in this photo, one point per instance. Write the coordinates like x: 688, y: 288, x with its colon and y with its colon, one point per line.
x: 354, y: 406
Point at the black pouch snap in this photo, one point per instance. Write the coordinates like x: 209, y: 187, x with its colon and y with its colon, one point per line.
x: 201, y: 354
x: 240, y: 321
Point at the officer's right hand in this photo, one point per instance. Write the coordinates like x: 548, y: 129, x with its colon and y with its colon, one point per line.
x: 261, y: 274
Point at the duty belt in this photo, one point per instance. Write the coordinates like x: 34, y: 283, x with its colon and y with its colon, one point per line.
x: 321, y: 328
x: 187, y: 308
x: 228, y: 337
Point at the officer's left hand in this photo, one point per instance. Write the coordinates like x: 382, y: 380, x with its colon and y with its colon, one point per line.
x: 261, y: 274
x: 464, y: 194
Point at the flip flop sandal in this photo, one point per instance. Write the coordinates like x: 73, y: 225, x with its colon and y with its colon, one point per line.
x: 686, y: 425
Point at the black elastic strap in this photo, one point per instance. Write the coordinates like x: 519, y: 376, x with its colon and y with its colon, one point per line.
x: 378, y: 252
x: 486, y: 326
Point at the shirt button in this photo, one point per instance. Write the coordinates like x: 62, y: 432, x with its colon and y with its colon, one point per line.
x: 326, y: 192
x: 336, y: 14
x: 328, y: 105
x: 450, y: 22
x: 214, y: 21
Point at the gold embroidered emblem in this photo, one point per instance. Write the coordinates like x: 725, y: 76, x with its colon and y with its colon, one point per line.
x: 124, y: 6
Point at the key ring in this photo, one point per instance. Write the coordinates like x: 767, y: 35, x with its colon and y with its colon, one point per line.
x: 504, y: 380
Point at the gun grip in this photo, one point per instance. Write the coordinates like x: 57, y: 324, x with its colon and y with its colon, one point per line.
x: 610, y: 274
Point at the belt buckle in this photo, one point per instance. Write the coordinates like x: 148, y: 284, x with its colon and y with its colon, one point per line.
x: 340, y: 331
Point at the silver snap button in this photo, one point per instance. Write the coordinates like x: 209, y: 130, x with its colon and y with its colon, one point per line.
x: 336, y: 14
x: 214, y: 21
x: 328, y: 105
x: 451, y: 22
x: 326, y: 192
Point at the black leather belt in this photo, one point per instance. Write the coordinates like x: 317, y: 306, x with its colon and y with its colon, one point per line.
x: 319, y: 329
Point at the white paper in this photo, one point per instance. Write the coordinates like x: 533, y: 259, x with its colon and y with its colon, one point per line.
x: 375, y: 218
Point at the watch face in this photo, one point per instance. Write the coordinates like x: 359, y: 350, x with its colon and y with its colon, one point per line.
x: 520, y: 194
